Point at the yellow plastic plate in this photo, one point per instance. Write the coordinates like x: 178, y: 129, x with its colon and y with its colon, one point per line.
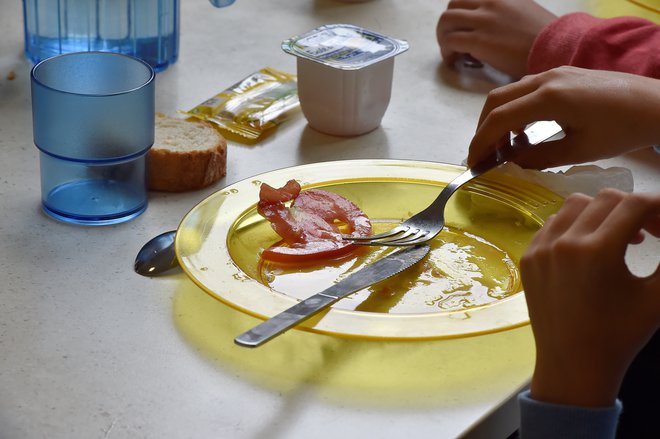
x: 468, y: 285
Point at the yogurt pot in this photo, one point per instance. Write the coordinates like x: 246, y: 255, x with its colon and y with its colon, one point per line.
x: 344, y: 77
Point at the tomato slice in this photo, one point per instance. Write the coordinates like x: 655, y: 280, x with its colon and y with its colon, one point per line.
x: 312, y: 226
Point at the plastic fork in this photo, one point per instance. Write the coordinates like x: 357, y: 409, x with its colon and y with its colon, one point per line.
x: 426, y: 224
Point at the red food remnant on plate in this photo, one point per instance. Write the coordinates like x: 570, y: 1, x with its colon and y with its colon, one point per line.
x: 312, y: 226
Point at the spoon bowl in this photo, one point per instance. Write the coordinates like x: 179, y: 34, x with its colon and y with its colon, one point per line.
x: 157, y: 256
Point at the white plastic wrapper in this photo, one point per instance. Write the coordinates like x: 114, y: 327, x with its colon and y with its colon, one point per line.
x: 586, y: 179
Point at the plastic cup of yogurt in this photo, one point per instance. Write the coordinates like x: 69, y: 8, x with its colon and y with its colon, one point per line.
x: 344, y: 77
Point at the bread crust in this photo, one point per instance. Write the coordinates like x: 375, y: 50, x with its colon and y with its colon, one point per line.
x: 174, y: 167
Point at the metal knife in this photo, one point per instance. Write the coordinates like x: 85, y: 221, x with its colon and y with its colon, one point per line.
x: 543, y: 130
x: 382, y: 269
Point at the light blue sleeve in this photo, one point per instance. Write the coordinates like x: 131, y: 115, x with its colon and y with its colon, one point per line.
x: 540, y: 420
x: 657, y: 149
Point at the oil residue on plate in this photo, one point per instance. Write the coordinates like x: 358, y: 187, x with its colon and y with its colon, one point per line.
x: 462, y: 271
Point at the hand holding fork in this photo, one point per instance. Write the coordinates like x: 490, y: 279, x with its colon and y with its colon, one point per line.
x: 426, y: 224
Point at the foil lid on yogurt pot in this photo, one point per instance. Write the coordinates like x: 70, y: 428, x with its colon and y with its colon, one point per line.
x: 344, y: 46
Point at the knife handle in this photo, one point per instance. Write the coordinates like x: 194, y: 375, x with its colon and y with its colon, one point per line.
x: 276, y: 325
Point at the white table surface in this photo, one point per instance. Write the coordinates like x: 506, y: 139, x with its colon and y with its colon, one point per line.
x: 89, y: 349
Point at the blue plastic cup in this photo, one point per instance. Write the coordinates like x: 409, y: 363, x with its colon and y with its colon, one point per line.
x: 93, y: 123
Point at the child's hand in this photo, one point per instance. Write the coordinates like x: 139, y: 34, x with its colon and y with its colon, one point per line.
x: 604, y: 114
x: 590, y: 315
x: 499, y: 33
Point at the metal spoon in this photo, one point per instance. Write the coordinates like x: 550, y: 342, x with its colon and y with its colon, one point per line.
x: 157, y: 256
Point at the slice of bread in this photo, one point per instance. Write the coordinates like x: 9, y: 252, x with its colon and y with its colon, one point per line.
x: 186, y: 155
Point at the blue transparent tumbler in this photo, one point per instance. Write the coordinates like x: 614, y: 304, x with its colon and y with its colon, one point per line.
x: 93, y: 123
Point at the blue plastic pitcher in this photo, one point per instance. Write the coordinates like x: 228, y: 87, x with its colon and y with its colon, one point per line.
x: 147, y: 29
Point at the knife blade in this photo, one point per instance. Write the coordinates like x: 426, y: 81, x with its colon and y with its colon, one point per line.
x: 542, y: 131
x: 386, y: 267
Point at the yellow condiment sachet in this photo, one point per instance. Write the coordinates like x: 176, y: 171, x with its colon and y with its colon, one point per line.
x: 252, y: 106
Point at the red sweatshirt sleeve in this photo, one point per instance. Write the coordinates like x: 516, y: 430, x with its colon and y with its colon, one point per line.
x: 625, y: 44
